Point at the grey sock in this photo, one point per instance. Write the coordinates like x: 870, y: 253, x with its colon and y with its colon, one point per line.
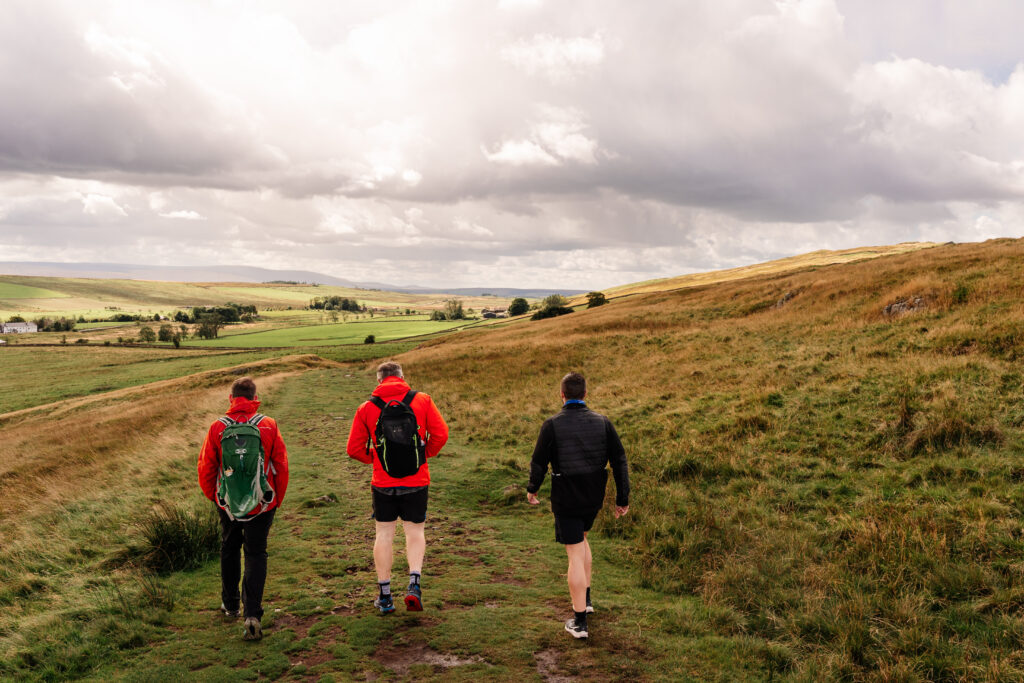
x: 385, y: 587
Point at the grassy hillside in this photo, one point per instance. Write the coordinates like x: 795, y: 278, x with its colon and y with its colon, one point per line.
x: 826, y: 473
x: 34, y: 296
x: 836, y: 483
x: 79, y: 602
x: 823, y: 257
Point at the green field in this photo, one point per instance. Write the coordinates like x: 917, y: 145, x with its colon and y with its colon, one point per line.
x: 44, y: 375
x: 11, y: 290
x: 354, y: 332
x: 92, y: 298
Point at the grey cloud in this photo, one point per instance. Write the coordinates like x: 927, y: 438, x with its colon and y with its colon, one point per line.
x: 63, y: 111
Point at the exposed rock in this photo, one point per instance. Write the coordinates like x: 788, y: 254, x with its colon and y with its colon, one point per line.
x: 905, y: 306
x: 785, y: 297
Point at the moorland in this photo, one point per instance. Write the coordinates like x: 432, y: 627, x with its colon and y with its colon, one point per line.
x: 826, y: 486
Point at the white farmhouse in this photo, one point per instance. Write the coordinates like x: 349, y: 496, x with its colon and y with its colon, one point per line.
x: 17, y: 328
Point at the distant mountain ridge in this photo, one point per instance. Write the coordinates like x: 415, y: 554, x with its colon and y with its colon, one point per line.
x: 124, y: 271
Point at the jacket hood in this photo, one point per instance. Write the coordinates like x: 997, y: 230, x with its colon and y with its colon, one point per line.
x: 242, y: 407
x: 391, y: 389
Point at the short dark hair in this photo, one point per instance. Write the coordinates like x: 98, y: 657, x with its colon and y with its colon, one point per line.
x: 574, y: 385
x: 388, y: 368
x: 244, y: 387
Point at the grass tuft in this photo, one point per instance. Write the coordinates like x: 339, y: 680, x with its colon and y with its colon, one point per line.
x: 178, y: 539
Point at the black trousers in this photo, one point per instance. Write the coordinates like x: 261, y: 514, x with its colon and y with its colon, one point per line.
x: 252, y: 536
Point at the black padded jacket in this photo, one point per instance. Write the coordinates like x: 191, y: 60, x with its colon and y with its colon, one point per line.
x: 579, y: 444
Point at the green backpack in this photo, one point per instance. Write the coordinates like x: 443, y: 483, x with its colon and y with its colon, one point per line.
x: 242, y: 484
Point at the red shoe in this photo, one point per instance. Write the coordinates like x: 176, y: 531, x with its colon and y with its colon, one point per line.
x: 413, y: 599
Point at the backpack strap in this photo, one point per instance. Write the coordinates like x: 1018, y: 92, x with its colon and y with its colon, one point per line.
x: 226, y: 421
x: 379, y: 402
x: 409, y: 397
x: 256, y: 419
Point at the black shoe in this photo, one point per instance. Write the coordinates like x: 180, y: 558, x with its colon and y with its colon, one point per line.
x: 575, y: 630
x: 229, y: 613
x: 253, y: 629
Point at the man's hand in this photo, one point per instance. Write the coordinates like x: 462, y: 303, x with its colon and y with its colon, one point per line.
x: 532, y: 498
x: 620, y: 510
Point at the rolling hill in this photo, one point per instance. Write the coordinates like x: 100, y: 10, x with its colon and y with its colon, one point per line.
x: 826, y: 486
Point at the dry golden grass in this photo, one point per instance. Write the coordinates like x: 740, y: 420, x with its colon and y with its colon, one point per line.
x: 840, y: 481
x: 56, y: 453
x: 823, y: 257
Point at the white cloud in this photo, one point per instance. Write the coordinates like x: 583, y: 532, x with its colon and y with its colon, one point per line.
x: 187, y: 215
x: 556, y: 58
x: 521, y: 153
x: 100, y: 205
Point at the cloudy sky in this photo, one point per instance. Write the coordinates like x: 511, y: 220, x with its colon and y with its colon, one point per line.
x: 538, y: 143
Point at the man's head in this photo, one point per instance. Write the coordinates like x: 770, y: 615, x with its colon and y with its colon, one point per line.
x: 388, y: 368
x: 574, y: 386
x: 244, y: 387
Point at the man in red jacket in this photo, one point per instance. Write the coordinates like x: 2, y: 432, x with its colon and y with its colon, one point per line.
x: 394, y: 498
x: 251, y: 532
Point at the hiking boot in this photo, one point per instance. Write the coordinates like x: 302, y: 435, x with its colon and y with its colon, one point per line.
x: 414, y: 598
x: 575, y: 630
x: 253, y: 629
x: 385, y: 604
x: 229, y: 613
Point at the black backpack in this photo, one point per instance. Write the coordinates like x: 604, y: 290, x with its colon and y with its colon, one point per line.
x: 396, y: 439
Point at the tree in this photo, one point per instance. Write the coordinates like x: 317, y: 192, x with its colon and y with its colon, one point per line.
x: 209, y: 325
x: 156, y: 317
x: 553, y: 305
x: 553, y: 301
x: 453, y: 310
x: 147, y: 334
x: 176, y: 340
x: 518, y: 306
x: 370, y: 339
x: 166, y: 333
x: 596, y: 299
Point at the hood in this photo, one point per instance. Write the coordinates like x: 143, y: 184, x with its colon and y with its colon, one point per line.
x: 242, y: 407
x: 391, y: 389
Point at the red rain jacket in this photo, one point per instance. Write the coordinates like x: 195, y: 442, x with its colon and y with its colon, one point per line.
x: 274, y: 453
x: 432, y: 429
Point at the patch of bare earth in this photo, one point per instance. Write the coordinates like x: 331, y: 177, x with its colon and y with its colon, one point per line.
x: 547, y: 667
x: 402, y: 658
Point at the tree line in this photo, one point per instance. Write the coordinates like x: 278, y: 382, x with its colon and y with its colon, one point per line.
x: 336, y: 303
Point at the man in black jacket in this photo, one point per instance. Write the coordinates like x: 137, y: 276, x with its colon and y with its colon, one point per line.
x: 578, y: 444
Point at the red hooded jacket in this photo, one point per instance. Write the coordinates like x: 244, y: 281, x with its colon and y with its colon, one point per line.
x: 275, y: 454
x: 432, y: 429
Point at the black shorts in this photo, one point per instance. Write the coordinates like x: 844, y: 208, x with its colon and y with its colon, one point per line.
x: 570, y: 530
x: 411, y: 507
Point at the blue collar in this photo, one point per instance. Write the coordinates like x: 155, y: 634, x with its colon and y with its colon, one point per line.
x: 574, y: 402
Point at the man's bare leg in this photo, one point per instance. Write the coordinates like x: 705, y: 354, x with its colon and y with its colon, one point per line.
x: 415, y: 545
x: 577, y: 574
x: 382, y: 552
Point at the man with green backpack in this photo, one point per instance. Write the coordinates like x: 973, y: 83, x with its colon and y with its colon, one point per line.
x: 243, y: 469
